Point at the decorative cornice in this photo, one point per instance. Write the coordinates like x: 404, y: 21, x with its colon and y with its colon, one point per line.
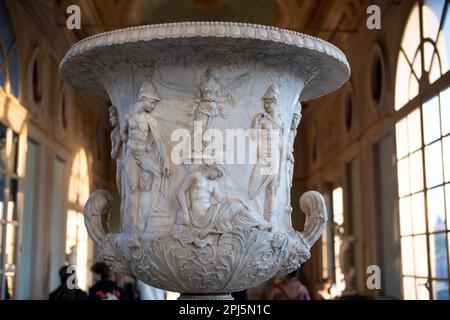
x: 323, y: 67
x: 205, y: 29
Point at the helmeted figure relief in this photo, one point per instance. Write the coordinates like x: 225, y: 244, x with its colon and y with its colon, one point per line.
x: 145, y: 163
x: 206, y: 107
x: 290, y: 155
x: 205, y: 208
x: 269, y: 131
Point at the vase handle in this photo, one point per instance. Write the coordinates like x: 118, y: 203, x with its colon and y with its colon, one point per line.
x: 96, y: 215
x: 313, y: 205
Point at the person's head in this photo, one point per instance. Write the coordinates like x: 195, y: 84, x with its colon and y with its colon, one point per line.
x: 295, y: 121
x: 113, y: 116
x: 64, y: 274
x: 101, y: 271
x: 326, y: 284
x: 209, y: 87
x: 147, y: 97
x: 271, y: 99
x: 212, y: 171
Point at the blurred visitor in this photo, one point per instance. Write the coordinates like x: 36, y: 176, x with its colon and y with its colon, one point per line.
x: 104, y: 288
x: 288, y: 288
x: 326, y: 292
x: 65, y: 290
x: 129, y: 287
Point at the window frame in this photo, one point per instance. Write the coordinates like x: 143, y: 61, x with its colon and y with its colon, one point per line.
x: 426, y: 91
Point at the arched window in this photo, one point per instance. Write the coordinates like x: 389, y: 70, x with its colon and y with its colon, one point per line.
x: 422, y: 104
x: 78, y: 248
x: 9, y: 67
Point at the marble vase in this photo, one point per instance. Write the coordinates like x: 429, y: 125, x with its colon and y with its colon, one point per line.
x: 204, y: 118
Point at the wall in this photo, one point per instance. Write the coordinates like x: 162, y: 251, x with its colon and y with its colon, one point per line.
x: 60, y: 122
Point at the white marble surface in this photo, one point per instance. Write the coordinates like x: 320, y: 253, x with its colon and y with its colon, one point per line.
x: 205, y: 227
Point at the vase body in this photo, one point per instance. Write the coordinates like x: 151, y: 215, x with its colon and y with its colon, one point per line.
x: 204, y: 119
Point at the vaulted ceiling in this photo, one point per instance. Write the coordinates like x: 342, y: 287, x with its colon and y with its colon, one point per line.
x: 332, y: 20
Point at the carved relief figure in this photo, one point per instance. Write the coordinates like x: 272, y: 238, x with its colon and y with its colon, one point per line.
x: 206, y: 108
x: 144, y: 161
x: 117, y: 152
x: 268, y: 125
x: 290, y: 155
x: 204, y: 206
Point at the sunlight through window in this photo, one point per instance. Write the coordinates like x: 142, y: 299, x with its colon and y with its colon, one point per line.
x: 423, y: 152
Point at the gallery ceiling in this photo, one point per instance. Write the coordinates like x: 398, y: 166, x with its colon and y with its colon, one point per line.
x: 332, y: 20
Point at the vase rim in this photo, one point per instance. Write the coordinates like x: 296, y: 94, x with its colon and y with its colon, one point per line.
x: 333, y: 72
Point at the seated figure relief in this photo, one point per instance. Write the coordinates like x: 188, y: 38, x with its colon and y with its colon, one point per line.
x: 204, y: 207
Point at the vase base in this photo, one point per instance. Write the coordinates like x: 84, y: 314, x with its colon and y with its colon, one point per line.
x: 205, y: 296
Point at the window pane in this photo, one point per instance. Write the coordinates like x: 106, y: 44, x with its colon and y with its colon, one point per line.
x: 10, y: 247
x: 71, y: 232
x: 438, y: 255
x: 445, y: 110
x: 422, y: 291
x: 338, y: 207
x: 401, y: 84
x: 420, y: 256
x: 403, y: 177
x: 433, y: 164
x: 405, y: 216
x: 435, y: 71
x: 324, y: 254
x: 446, y: 157
x: 443, y: 44
x: 401, y: 135
x: 431, y: 121
x: 411, y: 36
x: 413, y: 88
x: 79, y: 180
x: 82, y: 252
x: 417, y: 65
x: 409, y: 288
x: 436, y: 209
x: 428, y: 50
x: 440, y: 290
x: 418, y: 213
x: 431, y: 14
x: 407, y: 256
x: 414, y: 130
x: 416, y: 171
